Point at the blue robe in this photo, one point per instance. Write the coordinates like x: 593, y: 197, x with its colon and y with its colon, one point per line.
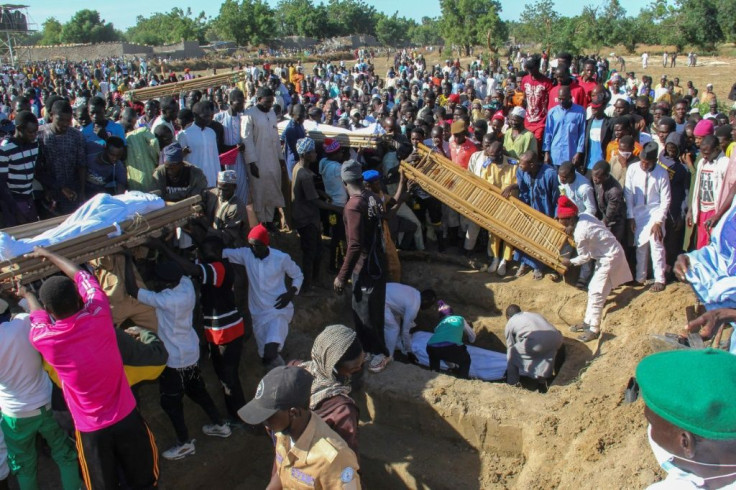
x: 292, y: 133
x: 564, y: 133
x: 541, y: 192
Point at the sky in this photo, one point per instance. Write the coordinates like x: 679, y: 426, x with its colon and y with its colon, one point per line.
x: 122, y: 13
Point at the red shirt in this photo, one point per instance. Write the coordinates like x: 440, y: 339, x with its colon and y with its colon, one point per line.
x: 576, y: 91
x: 461, y: 153
x: 588, y: 88
x: 536, y: 93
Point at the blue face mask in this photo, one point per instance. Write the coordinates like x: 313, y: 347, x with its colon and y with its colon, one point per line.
x: 666, y: 461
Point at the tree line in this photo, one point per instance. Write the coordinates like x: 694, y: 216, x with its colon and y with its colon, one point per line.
x: 463, y: 24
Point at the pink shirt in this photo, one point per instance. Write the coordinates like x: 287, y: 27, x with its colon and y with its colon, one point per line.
x: 84, y: 352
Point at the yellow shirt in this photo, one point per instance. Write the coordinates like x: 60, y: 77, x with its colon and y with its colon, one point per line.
x: 502, y: 175
x: 729, y: 150
x: 319, y: 459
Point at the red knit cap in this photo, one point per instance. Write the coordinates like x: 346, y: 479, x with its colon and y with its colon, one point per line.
x: 331, y: 145
x: 498, y: 115
x: 566, y: 208
x: 259, y: 233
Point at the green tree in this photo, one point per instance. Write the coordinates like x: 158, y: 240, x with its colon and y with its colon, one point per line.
x: 727, y: 19
x: 50, y: 32
x: 86, y: 26
x: 302, y: 18
x: 699, y: 23
x: 393, y: 30
x: 628, y: 32
x: 588, y: 30
x: 539, y: 21
x: 466, y: 23
x: 351, y: 17
x: 248, y: 22
x: 166, y: 28
x: 426, y: 33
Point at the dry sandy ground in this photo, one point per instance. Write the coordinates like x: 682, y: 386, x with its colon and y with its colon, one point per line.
x: 579, y: 435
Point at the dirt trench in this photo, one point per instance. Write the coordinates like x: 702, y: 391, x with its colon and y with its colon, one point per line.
x: 423, y: 430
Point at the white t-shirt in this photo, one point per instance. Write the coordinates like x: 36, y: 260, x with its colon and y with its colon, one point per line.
x: 24, y: 385
x: 174, y: 312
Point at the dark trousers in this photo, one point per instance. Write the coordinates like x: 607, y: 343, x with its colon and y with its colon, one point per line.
x: 673, y: 239
x: 337, y: 241
x: 310, y: 238
x: 431, y: 206
x: 128, y: 445
x: 173, y: 385
x: 619, y: 231
x: 20, y: 211
x: 226, y: 361
x: 369, y: 301
x: 456, y: 354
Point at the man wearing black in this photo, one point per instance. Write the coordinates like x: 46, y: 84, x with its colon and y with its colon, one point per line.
x: 365, y: 261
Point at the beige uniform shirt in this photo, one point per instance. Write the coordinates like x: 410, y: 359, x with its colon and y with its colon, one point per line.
x: 319, y: 459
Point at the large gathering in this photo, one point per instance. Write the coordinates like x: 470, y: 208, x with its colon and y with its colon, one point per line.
x: 479, y: 226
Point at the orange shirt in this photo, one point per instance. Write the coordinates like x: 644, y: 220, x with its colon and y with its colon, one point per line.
x: 612, y: 148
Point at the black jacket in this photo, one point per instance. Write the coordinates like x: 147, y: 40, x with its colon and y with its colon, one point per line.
x: 606, y: 136
x: 610, y: 199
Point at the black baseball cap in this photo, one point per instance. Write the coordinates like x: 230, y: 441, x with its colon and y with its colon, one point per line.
x: 282, y: 388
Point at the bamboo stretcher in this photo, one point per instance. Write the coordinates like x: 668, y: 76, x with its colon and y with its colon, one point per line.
x: 514, y: 222
x: 109, y: 240
x: 146, y: 93
x: 352, y: 140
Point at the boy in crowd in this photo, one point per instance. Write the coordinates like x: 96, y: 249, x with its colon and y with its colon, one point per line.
x: 174, y: 305
x: 80, y: 344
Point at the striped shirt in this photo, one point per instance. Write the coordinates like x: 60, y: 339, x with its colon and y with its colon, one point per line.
x: 18, y: 165
x: 222, y: 320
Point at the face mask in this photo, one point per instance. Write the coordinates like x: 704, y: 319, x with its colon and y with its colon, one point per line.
x: 625, y: 154
x: 665, y: 460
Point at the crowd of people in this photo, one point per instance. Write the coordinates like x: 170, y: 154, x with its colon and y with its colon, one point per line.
x: 634, y: 173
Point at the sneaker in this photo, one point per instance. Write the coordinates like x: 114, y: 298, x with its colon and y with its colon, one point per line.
x: 215, y: 430
x: 379, y: 362
x: 501, y: 271
x: 180, y: 451
x: 494, y: 265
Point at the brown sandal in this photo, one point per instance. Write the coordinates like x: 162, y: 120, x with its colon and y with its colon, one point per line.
x: 589, y: 335
x: 580, y: 327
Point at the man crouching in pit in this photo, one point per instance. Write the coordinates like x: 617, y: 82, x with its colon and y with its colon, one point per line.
x: 594, y: 241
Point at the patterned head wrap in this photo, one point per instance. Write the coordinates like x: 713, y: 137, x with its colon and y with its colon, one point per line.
x: 304, y: 146
x: 328, y: 349
x: 227, y: 177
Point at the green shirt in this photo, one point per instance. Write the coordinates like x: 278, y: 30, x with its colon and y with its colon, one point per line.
x: 142, y: 159
x: 523, y: 143
x: 450, y: 329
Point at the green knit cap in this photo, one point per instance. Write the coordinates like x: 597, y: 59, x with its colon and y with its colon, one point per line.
x: 694, y: 390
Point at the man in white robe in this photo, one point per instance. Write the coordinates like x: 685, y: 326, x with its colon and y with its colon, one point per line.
x: 231, y: 120
x: 269, y: 300
x: 402, y: 307
x: 201, y: 142
x: 647, y: 194
x: 594, y: 241
x: 263, y: 156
